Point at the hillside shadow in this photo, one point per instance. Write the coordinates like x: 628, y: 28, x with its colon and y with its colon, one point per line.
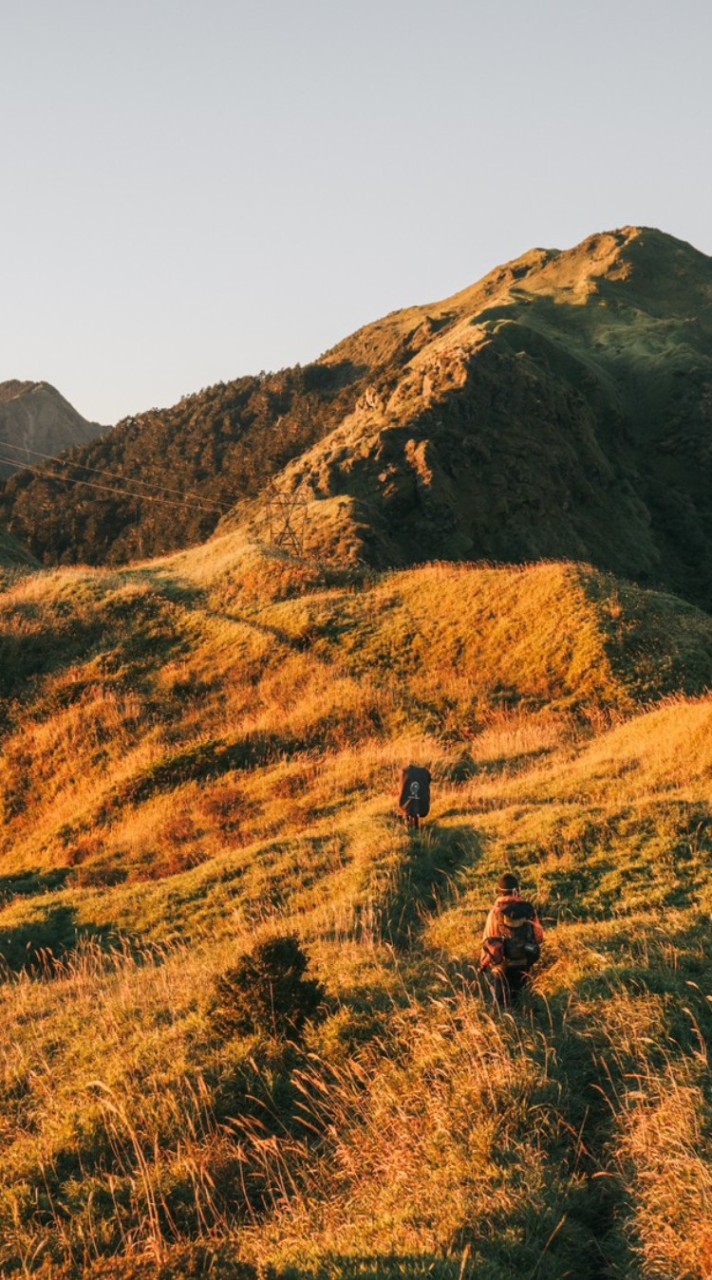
x: 387, y: 1267
x: 298, y: 644
x: 426, y: 881
x: 180, y: 591
x: 118, y: 630
x: 30, y: 884
x: 202, y: 763
x: 511, y: 764
x: 177, y: 590
x: 36, y: 946
x: 644, y: 959
x: 41, y: 947
x: 332, y: 377
x: 29, y: 655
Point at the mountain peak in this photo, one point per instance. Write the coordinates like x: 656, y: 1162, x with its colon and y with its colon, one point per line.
x: 36, y: 422
x: 560, y: 406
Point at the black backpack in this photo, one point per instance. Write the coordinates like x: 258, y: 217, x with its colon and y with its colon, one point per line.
x: 414, y: 796
x: 514, y: 925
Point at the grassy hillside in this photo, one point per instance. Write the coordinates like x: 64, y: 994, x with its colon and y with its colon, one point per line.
x: 200, y: 753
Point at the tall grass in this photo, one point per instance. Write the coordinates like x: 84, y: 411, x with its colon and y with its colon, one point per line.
x: 202, y: 753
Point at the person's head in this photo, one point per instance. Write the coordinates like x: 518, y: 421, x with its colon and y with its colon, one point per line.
x: 508, y: 883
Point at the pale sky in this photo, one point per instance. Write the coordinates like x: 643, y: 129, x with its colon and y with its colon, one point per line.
x: 193, y: 190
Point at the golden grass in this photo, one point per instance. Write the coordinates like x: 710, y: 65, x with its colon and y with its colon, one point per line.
x: 215, y: 765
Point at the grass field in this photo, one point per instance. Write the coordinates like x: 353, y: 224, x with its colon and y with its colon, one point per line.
x: 200, y: 754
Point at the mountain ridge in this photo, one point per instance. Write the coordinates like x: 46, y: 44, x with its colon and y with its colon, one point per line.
x: 561, y: 407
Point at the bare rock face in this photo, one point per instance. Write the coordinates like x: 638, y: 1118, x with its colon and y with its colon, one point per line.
x: 35, y: 420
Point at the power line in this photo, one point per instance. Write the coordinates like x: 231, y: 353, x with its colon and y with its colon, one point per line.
x: 45, y: 474
x: 113, y: 475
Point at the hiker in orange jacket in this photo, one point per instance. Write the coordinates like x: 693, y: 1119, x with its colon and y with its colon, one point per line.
x: 511, y: 942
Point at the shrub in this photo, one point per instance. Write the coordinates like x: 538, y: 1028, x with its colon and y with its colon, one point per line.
x: 266, y: 992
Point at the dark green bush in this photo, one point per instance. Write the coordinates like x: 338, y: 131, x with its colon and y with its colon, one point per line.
x: 266, y: 992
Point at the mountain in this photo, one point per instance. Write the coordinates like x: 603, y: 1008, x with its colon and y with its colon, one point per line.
x: 562, y: 407
x: 36, y: 422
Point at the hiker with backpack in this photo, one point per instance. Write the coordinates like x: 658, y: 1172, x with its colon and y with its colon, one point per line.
x: 414, y: 795
x: 511, y: 943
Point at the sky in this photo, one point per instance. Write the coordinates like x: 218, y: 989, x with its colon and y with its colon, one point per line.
x: 193, y: 191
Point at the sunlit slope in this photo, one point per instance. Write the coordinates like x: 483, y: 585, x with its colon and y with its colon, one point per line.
x: 133, y: 695
x: 201, y: 752
x: 618, y: 824
x: 588, y: 1119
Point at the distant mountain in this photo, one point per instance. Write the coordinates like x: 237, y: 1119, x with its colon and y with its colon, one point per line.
x: 561, y: 408
x: 36, y: 420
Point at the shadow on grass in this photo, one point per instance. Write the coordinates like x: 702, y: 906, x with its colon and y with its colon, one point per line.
x: 425, y: 881
x: 206, y: 761
x: 384, y: 1267
x: 26, y: 655
x: 646, y: 959
x: 28, y: 884
x: 43, y: 945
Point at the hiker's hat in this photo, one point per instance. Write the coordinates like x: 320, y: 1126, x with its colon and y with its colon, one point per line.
x: 508, y: 883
